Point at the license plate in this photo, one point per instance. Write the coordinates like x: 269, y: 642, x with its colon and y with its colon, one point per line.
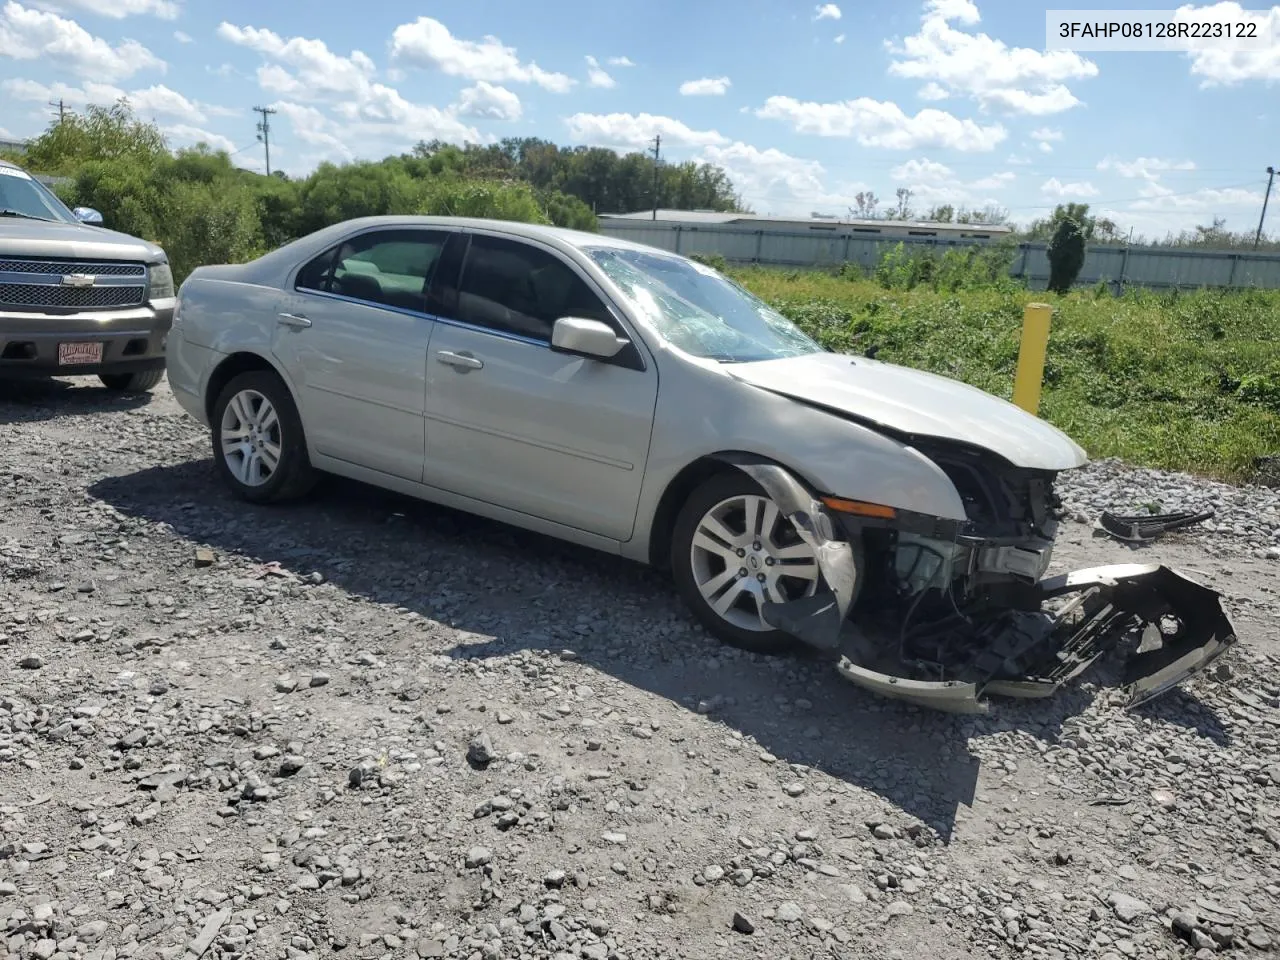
x: 70, y: 353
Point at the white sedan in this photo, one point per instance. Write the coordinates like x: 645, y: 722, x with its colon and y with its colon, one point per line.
x: 640, y: 403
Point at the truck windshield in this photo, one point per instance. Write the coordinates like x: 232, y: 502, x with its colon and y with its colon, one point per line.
x: 699, y: 310
x: 23, y: 195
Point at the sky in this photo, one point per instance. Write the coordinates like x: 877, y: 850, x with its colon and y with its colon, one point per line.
x: 803, y: 104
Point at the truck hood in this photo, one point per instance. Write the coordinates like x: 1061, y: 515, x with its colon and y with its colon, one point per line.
x: 76, y: 241
x: 906, y: 401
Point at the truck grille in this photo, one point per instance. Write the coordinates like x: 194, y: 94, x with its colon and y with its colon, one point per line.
x: 39, y: 284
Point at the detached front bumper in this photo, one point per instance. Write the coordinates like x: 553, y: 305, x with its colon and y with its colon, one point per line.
x: 1061, y: 626
x: 1179, y: 625
x: 132, y: 340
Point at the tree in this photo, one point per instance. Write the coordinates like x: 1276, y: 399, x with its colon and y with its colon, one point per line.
x: 903, y: 210
x: 866, y: 203
x: 100, y: 133
x: 942, y: 214
x: 1066, y: 255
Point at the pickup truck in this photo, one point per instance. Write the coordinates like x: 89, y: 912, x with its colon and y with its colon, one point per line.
x: 77, y: 299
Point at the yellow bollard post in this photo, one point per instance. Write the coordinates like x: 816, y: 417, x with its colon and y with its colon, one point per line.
x: 1031, y: 351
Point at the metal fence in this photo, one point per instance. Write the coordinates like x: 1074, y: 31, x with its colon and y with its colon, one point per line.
x: 1156, y: 267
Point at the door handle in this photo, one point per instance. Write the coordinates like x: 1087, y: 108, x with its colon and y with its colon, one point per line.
x: 297, y: 321
x: 459, y: 361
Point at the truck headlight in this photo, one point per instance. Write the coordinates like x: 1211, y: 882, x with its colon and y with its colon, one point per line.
x: 160, y: 277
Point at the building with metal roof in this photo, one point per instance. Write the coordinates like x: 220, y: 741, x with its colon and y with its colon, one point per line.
x: 838, y: 226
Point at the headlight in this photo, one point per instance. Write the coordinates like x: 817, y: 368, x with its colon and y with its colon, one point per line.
x: 161, y: 280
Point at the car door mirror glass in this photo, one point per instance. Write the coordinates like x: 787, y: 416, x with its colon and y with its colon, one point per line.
x: 88, y: 215
x: 590, y: 338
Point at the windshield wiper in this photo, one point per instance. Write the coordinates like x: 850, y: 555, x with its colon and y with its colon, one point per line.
x: 6, y: 212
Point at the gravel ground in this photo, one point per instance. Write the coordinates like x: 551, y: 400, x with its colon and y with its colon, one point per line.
x: 368, y: 727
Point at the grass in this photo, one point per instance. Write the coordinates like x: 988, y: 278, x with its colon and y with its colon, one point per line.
x: 1184, y: 381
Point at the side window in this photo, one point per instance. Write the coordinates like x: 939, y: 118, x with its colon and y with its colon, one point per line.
x: 315, y: 275
x: 516, y: 288
x: 388, y: 267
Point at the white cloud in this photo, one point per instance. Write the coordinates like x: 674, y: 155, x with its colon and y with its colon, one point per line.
x: 489, y: 101
x: 1017, y: 159
x: 318, y: 71
x: 877, y: 123
x: 705, y: 87
x: 27, y: 34
x: 1208, y: 201
x: 1015, y: 79
x: 1045, y: 146
x: 1148, y: 168
x: 184, y: 134
x: 182, y: 37
x: 620, y: 62
x: 933, y: 91
x: 1229, y: 66
x: 1054, y: 187
x: 637, y: 130
x: 116, y: 9
x: 931, y: 182
x: 1046, y: 133
x: 156, y: 101
x: 428, y: 43
x: 839, y: 38
x: 778, y: 182
x: 161, y: 101
x: 367, y: 118
x: 597, y: 76
x: 826, y: 11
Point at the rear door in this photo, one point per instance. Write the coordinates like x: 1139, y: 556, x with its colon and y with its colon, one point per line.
x: 511, y: 421
x: 353, y: 337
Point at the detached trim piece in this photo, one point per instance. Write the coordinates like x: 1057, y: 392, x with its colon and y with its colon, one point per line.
x: 815, y: 620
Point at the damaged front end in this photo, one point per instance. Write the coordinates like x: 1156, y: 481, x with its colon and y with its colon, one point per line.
x: 944, y: 613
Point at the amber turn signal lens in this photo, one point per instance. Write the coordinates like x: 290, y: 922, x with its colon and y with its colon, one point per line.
x: 860, y: 508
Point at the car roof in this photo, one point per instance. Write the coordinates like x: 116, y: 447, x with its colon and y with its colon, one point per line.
x: 11, y: 166
x: 532, y: 231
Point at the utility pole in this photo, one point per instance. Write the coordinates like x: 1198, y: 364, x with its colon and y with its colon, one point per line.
x: 62, y: 108
x: 264, y: 132
x: 657, y: 154
x: 1271, y: 175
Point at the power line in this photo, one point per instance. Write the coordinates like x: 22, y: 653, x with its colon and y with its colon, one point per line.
x: 264, y: 132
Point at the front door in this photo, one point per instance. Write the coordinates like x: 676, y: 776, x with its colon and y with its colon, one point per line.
x: 353, y: 337
x: 514, y: 423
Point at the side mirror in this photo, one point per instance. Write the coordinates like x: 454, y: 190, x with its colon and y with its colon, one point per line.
x: 587, y: 338
x: 88, y: 215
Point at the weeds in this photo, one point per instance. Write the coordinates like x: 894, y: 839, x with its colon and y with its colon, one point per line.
x: 1181, y: 380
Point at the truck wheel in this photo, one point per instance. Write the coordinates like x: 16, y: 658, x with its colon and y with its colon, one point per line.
x: 139, y: 382
x: 732, y: 549
x: 258, y: 443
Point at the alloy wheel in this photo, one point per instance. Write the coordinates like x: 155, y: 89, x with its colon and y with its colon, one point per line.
x: 745, y: 552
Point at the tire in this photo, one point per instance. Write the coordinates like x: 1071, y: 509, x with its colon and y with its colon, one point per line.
x: 139, y: 382
x: 736, y: 627
x: 280, y: 438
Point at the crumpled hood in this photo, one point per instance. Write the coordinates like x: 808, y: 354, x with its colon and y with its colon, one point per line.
x: 76, y: 241
x: 915, y: 402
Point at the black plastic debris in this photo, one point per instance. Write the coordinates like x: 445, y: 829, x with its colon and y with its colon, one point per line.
x: 1145, y: 527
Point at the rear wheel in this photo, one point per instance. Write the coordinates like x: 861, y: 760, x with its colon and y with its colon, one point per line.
x: 139, y: 382
x: 258, y: 443
x: 732, y: 549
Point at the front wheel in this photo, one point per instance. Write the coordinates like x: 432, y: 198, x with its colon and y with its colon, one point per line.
x: 258, y: 443
x: 139, y: 382
x: 732, y: 549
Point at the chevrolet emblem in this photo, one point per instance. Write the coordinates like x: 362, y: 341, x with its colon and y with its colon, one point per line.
x: 78, y: 280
